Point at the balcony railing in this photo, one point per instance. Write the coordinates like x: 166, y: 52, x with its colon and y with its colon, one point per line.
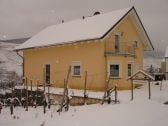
x: 123, y: 48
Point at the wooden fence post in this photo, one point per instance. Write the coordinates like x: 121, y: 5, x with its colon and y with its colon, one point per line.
x: 31, y: 86
x: 44, y: 99
x: 85, y: 87
x: 49, y: 104
x: 36, y: 93
x: 132, y: 90
x: 115, y: 94
x: 26, y: 94
x: 161, y: 81
x: 149, y: 89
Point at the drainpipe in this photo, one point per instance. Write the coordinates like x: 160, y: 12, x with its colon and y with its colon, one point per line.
x: 22, y: 62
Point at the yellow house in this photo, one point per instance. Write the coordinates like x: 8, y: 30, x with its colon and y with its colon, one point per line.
x: 104, y: 45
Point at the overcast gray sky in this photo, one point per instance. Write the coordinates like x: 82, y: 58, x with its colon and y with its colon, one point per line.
x: 25, y: 18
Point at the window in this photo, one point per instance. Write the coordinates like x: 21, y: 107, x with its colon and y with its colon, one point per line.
x: 47, y: 73
x: 76, y: 69
x: 135, y: 44
x: 114, y: 69
x: 130, y: 69
x: 117, y: 43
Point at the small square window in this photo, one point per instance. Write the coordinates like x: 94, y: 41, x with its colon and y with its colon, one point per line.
x: 76, y: 70
x: 114, y: 70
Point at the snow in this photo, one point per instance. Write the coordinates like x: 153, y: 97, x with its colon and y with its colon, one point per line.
x: 166, y: 53
x: 90, y: 28
x: 139, y: 112
x: 3, y: 92
x: 144, y: 74
x: 72, y: 92
x: 9, y: 60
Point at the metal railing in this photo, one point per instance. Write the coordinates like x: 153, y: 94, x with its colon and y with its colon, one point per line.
x: 123, y: 48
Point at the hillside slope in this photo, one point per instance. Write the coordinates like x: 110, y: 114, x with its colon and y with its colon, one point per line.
x: 9, y: 60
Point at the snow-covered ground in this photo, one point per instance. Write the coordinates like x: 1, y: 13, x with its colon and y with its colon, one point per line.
x: 139, y: 112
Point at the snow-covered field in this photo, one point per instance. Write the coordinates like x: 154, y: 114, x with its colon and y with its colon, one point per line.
x: 155, y: 62
x: 139, y: 112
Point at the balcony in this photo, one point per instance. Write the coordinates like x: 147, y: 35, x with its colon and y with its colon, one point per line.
x: 123, y: 49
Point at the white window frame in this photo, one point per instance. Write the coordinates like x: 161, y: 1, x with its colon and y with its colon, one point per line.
x: 75, y: 63
x: 132, y: 68
x: 114, y: 63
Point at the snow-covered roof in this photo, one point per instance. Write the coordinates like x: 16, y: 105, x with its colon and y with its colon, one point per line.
x: 166, y: 53
x: 90, y: 28
x: 144, y: 74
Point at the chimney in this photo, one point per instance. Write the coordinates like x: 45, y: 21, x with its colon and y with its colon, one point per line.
x: 96, y: 13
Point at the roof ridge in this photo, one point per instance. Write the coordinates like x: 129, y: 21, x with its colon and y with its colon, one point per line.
x: 90, y: 17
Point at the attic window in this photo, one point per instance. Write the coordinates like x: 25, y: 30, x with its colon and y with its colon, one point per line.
x: 135, y: 44
x: 117, y: 43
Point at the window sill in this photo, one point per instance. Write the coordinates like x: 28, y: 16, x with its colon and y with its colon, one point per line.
x: 76, y: 75
x: 115, y: 77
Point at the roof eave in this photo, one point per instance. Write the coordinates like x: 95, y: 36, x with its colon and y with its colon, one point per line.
x: 57, y: 44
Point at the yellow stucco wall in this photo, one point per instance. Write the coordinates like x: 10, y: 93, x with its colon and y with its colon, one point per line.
x: 91, y: 56
x: 127, y: 37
